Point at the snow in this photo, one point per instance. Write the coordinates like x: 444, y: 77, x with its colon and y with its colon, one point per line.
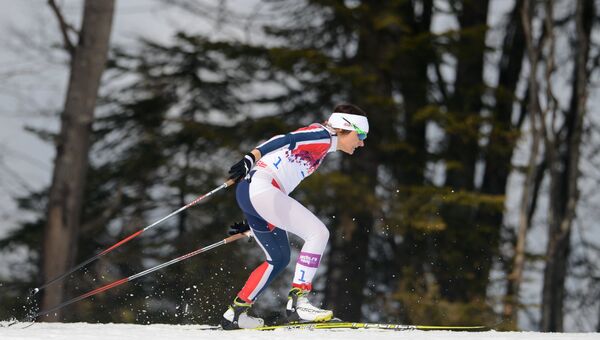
x: 86, y: 331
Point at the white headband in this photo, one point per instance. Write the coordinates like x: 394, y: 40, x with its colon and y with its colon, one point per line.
x: 336, y: 120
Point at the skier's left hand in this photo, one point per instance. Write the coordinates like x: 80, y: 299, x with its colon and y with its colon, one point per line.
x: 239, y: 227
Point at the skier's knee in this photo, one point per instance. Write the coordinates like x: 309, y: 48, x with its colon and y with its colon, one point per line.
x: 322, y: 234
x: 285, y: 258
x: 280, y: 261
x: 325, y: 233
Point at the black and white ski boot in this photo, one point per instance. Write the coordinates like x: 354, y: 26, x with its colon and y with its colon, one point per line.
x: 299, y: 308
x: 237, y: 317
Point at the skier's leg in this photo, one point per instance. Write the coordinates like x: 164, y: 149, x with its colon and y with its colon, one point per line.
x: 236, y: 315
x: 292, y: 216
x: 273, y: 241
x: 275, y: 244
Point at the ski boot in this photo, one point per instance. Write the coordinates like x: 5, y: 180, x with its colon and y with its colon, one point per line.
x: 237, y: 317
x: 299, y: 309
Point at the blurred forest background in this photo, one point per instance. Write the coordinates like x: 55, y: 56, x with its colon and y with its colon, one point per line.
x: 473, y: 201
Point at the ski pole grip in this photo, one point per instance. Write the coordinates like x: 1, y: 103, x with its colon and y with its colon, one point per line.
x: 236, y: 237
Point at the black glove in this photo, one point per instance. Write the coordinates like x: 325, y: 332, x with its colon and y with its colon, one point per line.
x: 239, y: 227
x: 240, y: 169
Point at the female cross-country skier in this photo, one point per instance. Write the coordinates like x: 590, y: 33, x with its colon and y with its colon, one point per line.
x: 270, y: 173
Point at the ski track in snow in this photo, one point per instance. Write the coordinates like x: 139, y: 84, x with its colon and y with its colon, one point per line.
x: 86, y: 331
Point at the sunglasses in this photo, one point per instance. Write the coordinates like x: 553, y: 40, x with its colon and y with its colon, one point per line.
x: 361, y: 134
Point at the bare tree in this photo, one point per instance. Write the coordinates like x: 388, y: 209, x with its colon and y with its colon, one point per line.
x: 525, y: 205
x: 562, y: 150
x: 88, y: 59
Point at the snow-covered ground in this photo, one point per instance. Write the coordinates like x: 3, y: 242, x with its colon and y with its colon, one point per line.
x: 85, y: 331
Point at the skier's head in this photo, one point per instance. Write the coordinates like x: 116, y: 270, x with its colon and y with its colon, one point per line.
x: 351, y: 126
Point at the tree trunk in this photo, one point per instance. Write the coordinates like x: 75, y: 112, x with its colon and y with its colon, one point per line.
x: 409, y: 164
x: 504, y: 134
x: 465, y: 104
x: 515, y: 277
x: 465, y: 278
x: 410, y: 72
x: 564, y: 193
x: 503, y: 137
x: 71, y: 162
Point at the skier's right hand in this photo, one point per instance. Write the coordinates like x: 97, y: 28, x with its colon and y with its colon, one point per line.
x: 240, y: 169
x: 239, y: 227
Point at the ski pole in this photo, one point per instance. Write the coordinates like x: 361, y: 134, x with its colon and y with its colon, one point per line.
x: 145, y: 272
x: 130, y: 237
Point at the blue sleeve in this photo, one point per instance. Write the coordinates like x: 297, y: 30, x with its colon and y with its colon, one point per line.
x: 291, y: 139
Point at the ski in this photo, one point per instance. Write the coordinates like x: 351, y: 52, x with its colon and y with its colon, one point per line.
x: 366, y: 325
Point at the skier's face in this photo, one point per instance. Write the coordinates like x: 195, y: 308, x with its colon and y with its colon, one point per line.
x: 348, y: 142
